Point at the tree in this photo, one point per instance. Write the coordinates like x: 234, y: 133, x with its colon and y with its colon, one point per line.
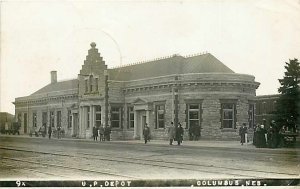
x: 288, y: 103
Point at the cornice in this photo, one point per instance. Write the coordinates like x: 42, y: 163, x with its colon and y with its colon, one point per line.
x: 174, y: 84
x: 44, y: 100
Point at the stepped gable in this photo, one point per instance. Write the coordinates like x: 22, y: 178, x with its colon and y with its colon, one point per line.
x: 58, y: 86
x: 205, y: 63
x: 93, y: 61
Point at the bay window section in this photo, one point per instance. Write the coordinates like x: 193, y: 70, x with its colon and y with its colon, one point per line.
x: 228, y: 115
x: 130, y: 118
x: 194, y: 116
x: 116, y: 117
x: 98, y: 116
x: 160, y: 116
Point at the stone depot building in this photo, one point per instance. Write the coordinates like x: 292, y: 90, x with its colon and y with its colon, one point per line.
x: 197, y: 91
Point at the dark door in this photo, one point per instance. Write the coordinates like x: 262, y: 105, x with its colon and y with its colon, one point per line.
x: 75, y: 125
x: 25, y: 123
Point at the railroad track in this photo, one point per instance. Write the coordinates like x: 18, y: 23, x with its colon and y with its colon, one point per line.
x: 252, y: 173
x: 99, y: 173
x: 47, y: 173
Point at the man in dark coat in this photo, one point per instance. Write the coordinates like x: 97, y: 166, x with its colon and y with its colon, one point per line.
x: 179, y: 134
x: 95, y: 133
x: 107, y: 132
x: 197, y: 132
x: 261, y: 139
x: 101, y: 133
x: 58, y: 132
x: 50, y: 132
x: 146, y: 133
x: 191, y: 132
x: 242, y: 132
x: 275, y: 135
x: 171, y: 133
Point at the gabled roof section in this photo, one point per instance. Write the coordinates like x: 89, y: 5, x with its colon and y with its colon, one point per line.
x: 205, y: 63
x: 58, y: 87
x: 139, y: 101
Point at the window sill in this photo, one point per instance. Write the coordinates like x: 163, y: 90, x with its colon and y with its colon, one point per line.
x: 129, y: 129
x: 116, y: 129
x: 228, y: 130
x: 159, y: 129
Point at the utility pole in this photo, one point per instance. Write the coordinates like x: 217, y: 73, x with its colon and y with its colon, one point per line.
x: 176, y: 102
x: 106, y: 98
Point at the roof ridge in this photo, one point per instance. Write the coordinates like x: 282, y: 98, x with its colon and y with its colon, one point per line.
x: 160, y: 58
x: 196, y: 54
x: 146, y: 61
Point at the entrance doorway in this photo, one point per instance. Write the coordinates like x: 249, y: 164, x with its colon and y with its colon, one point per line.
x: 139, y: 124
x: 75, y: 125
x: 25, y: 123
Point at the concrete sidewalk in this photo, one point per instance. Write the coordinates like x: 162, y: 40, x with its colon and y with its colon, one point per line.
x: 200, y: 143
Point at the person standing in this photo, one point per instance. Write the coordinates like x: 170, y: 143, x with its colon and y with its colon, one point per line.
x: 197, y: 131
x: 107, y: 132
x: 255, y: 135
x: 275, y: 139
x: 171, y: 133
x: 261, y: 138
x: 146, y: 133
x: 58, y: 132
x: 191, y: 132
x: 95, y: 133
x: 50, y: 132
x: 101, y: 133
x: 179, y: 134
x: 242, y: 132
x: 281, y: 136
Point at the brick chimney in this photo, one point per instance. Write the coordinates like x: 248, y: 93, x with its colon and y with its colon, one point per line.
x: 53, y: 76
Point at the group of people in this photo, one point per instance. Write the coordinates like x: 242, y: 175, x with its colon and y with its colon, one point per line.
x: 272, y: 137
x: 58, y: 131
x: 43, y: 131
x: 174, y: 133
x: 103, y: 132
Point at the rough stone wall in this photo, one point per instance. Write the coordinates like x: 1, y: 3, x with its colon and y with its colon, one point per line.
x: 209, y: 92
x: 38, y: 108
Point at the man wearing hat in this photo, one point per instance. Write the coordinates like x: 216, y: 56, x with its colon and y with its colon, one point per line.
x: 242, y: 132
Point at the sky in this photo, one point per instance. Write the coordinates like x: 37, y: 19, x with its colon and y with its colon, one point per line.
x: 254, y: 37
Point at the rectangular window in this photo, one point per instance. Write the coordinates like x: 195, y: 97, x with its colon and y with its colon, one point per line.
x: 194, y: 116
x: 160, y: 116
x: 19, y: 119
x: 91, y: 83
x: 86, y: 85
x: 69, y: 119
x: 44, y: 118
x: 130, y: 118
x: 88, y: 117
x: 251, y: 115
x: 58, y: 113
x: 115, y: 117
x: 264, y: 107
x: 52, y: 119
x: 91, y: 87
x: 25, y: 123
x: 228, y: 115
x: 96, y: 84
x: 98, y: 115
x: 257, y: 108
x: 34, y: 119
